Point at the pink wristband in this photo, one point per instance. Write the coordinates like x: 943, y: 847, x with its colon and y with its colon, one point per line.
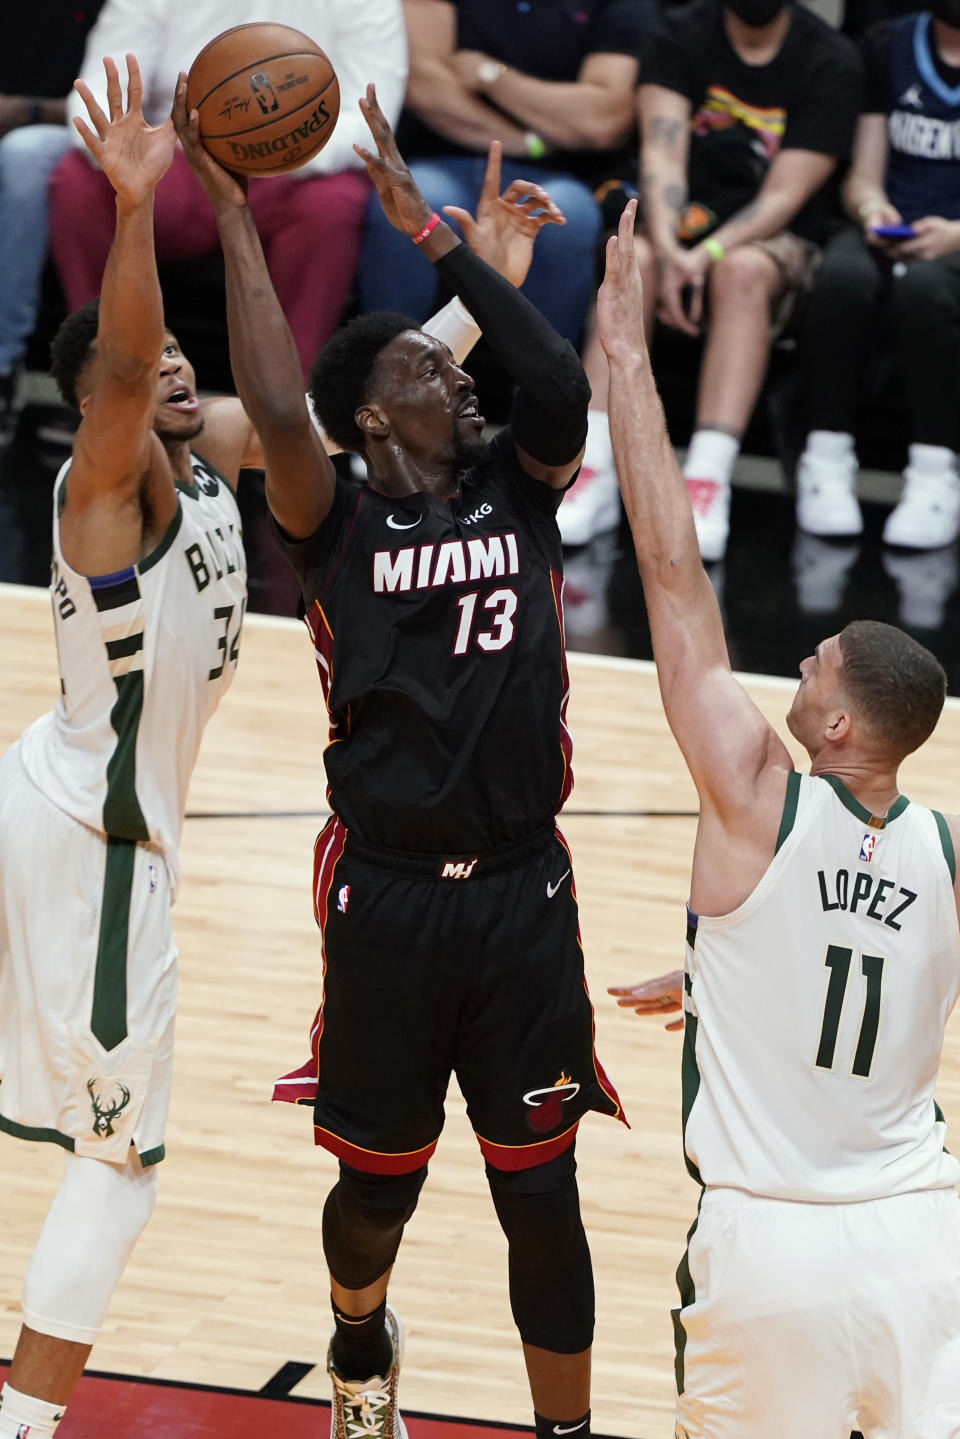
x: 428, y: 229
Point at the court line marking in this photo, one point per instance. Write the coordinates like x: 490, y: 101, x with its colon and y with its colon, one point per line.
x: 575, y: 657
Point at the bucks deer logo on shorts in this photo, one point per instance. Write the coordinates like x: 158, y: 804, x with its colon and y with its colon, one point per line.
x: 108, y: 1103
x: 546, y: 1105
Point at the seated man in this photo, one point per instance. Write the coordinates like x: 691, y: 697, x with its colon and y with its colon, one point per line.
x: 745, y: 110
x: 311, y: 220
x: 34, y: 79
x: 905, y: 172
x: 556, y: 89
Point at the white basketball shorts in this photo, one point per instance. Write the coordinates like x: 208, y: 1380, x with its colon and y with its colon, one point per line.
x: 808, y: 1321
x: 88, y: 980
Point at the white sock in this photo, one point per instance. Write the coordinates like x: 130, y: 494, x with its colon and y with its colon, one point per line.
x: 932, y: 460
x: 829, y: 445
x: 711, y: 456
x: 598, y: 453
x: 21, y: 1414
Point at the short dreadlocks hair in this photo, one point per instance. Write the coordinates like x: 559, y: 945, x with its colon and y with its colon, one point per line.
x: 343, y: 370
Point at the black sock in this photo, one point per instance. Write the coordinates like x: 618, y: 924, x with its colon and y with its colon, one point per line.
x: 361, y: 1346
x: 549, y: 1428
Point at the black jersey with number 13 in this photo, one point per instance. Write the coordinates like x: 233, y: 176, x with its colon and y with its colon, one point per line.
x: 438, y: 631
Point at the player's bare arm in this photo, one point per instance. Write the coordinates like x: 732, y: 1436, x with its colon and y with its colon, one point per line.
x: 263, y: 357
x: 120, y: 495
x: 551, y: 384
x: 736, y: 759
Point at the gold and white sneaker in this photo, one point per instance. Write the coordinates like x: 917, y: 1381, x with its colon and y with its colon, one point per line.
x: 367, y: 1408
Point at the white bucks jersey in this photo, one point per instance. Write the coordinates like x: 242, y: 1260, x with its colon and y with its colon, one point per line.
x: 815, y: 1012
x: 145, y: 656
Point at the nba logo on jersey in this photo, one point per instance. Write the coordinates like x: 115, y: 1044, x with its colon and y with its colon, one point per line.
x: 343, y: 898
x: 868, y: 846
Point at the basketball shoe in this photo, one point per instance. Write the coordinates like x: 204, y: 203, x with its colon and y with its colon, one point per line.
x: 367, y: 1408
x: 928, y: 514
x: 827, y: 496
x: 710, y: 500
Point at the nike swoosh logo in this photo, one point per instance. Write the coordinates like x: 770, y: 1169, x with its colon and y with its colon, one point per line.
x: 396, y: 525
x: 573, y: 1427
x: 551, y: 891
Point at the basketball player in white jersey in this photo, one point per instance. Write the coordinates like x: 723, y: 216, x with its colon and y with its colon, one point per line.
x: 149, y: 589
x: 820, y: 1291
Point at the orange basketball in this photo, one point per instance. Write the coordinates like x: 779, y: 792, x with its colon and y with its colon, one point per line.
x: 267, y: 95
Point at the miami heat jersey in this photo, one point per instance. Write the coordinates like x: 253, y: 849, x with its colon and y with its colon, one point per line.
x: 145, y: 656
x: 438, y: 631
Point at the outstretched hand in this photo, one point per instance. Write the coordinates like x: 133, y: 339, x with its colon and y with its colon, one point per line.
x: 506, y: 226
x: 620, y: 300
x: 401, y: 201
x: 224, y: 189
x: 133, y: 155
x: 663, y: 995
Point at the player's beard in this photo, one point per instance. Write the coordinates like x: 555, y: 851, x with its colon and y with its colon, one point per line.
x: 171, y: 433
x: 468, y: 453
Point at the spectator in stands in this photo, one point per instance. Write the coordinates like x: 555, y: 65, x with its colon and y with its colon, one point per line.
x: 553, y: 81
x: 905, y: 172
x: 745, y: 110
x: 42, y: 46
x: 311, y: 221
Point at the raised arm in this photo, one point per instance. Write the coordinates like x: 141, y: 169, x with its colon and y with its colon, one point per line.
x: 728, y: 746
x: 549, y: 417
x: 266, y: 368
x: 116, y: 455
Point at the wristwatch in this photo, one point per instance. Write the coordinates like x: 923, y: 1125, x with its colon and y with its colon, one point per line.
x: 489, y: 71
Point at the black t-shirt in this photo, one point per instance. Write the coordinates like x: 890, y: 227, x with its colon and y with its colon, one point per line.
x: 43, y: 44
x: 806, y: 98
x: 548, y: 39
x: 907, y: 80
x: 439, y: 641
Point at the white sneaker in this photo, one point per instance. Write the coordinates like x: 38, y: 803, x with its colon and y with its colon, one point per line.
x: 367, y: 1408
x: 928, y: 514
x: 591, y: 506
x: 711, y: 515
x: 827, y: 496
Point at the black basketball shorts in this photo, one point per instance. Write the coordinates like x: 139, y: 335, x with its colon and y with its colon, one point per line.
x: 436, y: 965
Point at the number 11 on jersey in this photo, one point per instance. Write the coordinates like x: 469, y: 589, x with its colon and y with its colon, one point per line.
x: 838, y: 962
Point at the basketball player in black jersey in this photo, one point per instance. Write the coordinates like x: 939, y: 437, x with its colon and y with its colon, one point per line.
x: 442, y: 888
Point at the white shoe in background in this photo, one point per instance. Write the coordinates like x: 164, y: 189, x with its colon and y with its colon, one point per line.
x: 592, y: 504
x: 928, y: 513
x: 827, y: 496
x: 711, y: 516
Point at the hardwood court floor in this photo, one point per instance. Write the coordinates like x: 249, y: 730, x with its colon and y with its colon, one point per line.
x: 227, y: 1284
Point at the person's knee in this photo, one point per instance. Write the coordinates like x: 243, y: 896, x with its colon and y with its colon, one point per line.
x: 747, y: 278
x: 363, y: 1221
x: 551, y: 1276
x: 28, y: 155
x: 921, y: 295
x: 96, y: 1218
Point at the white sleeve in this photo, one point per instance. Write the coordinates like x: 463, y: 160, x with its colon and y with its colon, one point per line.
x: 456, y: 327
x: 123, y: 27
x: 370, y: 44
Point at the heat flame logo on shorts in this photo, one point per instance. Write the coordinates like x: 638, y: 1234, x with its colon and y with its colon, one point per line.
x: 546, y: 1105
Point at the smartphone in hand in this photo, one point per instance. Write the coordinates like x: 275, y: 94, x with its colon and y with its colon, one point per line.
x: 894, y: 232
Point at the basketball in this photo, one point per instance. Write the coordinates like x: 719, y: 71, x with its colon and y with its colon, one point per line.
x: 268, y: 98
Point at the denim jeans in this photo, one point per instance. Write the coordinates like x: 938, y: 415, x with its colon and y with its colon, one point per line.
x: 27, y: 158
x: 561, y: 282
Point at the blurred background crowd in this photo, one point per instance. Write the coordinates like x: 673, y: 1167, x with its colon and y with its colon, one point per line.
x: 798, y: 166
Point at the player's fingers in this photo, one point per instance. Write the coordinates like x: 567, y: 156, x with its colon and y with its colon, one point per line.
x: 463, y: 218
x: 625, y: 230
x: 134, y: 85
x: 114, y: 101
x: 92, y: 142
x: 99, y: 119
x: 490, y: 189
x: 674, y: 1025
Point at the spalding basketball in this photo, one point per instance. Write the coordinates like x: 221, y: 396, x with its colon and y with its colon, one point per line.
x: 267, y: 95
